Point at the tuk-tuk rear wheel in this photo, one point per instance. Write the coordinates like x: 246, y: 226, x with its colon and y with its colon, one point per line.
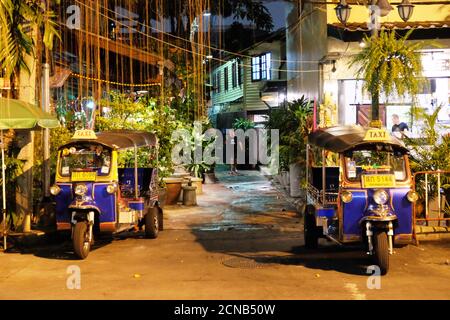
x: 381, y: 251
x: 152, y: 223
x: 310, y: 228
x: 160, y: 218
x: 81, y: 244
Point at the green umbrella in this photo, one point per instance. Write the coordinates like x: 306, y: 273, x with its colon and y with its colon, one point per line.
x: 15, y: 114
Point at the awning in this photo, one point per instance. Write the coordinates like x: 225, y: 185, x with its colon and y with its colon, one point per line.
x: 352, y: 26
x: 342, y: 138
x: 123, y: 139
x: 421, y: 30
x: 60, y: 77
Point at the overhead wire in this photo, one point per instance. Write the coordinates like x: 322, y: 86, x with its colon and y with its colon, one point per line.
x: 196, y: 53
x: 238, y: 54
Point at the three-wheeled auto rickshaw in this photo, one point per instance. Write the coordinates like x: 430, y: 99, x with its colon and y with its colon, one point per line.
x: 93, y: 195
x: 359, y: 190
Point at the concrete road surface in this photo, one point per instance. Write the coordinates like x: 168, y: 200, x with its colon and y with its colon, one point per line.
x: 243, y: 241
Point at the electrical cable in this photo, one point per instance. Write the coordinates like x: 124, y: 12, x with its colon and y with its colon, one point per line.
x: 196, y: 53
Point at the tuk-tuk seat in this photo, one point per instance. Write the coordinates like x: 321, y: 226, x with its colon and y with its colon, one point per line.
x: 331, y: 178
x: 127, y: 182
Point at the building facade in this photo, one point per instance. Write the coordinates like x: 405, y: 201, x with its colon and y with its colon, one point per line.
x: 240, y: 82
x: 319, y: 49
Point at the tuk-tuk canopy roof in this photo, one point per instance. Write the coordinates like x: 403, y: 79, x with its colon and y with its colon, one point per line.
x: 122, y: 139
x: 344, y: 138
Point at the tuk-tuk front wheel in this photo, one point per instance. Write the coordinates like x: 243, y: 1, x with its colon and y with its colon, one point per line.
x: 381, y: 251
x: 81, y: 243
x: 152, y: 223
x: 310, y: 229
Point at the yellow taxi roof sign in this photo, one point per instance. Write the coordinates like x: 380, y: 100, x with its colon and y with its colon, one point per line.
x: 84, y: 135
x: 376, y: 135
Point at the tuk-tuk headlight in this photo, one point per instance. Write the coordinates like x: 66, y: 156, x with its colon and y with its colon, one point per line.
x: 111, y: 189
x: 346, y: 197
x: 55, y: 190
x: 81, y: 190
x: 381, y: 197
x: 412, y: 196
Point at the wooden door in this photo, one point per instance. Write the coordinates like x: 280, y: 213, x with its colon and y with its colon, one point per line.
x: 364, y: 114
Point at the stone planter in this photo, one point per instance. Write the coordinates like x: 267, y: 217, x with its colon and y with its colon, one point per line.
x: 295, y: 171
x: 198, y: 182
x: 285, y: 179
x: 173, y: 186
x: 189, y: 196
x: 210, y: 178
x: 278, y: 179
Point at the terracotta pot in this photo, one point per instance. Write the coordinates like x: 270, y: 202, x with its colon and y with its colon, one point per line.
x: 181, y: 175
x: 198, y: 182
x: 173, y: 186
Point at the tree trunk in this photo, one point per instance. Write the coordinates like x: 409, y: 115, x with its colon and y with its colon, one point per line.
x: 376, y: 110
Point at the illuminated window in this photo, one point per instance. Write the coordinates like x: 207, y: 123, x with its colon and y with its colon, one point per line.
x: 234, y: 75
x: 218, y: 82
x: 261, y: 67
x: 225, y: 79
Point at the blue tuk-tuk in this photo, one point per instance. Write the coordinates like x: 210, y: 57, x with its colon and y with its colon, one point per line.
x: 359, y: 190
x: 93, y: 195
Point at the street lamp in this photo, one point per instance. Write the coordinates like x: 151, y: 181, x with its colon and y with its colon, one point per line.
x: 343, y: 11
x: 405, y: 10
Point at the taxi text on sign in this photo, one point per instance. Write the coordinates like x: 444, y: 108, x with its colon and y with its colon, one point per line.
x: 376, y: 135
x: 84, y: 135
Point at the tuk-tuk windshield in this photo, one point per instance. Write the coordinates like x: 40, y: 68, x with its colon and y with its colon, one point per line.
x: 85, y: 158
x: 371, y: 162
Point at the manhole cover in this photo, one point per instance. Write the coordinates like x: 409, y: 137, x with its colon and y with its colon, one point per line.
x: 244, y: 263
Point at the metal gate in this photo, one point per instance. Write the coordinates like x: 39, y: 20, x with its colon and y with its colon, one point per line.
x: 432, y: 211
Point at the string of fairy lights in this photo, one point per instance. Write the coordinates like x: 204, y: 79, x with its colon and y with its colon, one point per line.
x: 231, y: 53
x: 204, y: 55
x: 114, y: 82
x: 95, y: 50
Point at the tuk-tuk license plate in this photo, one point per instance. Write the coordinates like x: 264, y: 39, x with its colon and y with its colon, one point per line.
x: 84, y: 176
x: 378, y: 181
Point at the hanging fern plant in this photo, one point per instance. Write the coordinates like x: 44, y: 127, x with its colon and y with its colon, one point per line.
x: 389, y: 65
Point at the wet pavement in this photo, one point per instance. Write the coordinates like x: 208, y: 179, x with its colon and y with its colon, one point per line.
x: 243, y: 241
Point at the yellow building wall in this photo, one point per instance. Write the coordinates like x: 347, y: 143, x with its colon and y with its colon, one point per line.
x: 429, y: 12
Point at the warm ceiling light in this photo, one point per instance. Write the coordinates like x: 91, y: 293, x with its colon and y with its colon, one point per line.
x: 405, y: 10
x: 343, y: 11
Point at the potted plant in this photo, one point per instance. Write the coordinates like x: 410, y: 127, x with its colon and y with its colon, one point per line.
x: 390, y: 65
x: 293, y: 123
x: 245, y: 124
x: 197, y: 170
x: 430, y: 152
